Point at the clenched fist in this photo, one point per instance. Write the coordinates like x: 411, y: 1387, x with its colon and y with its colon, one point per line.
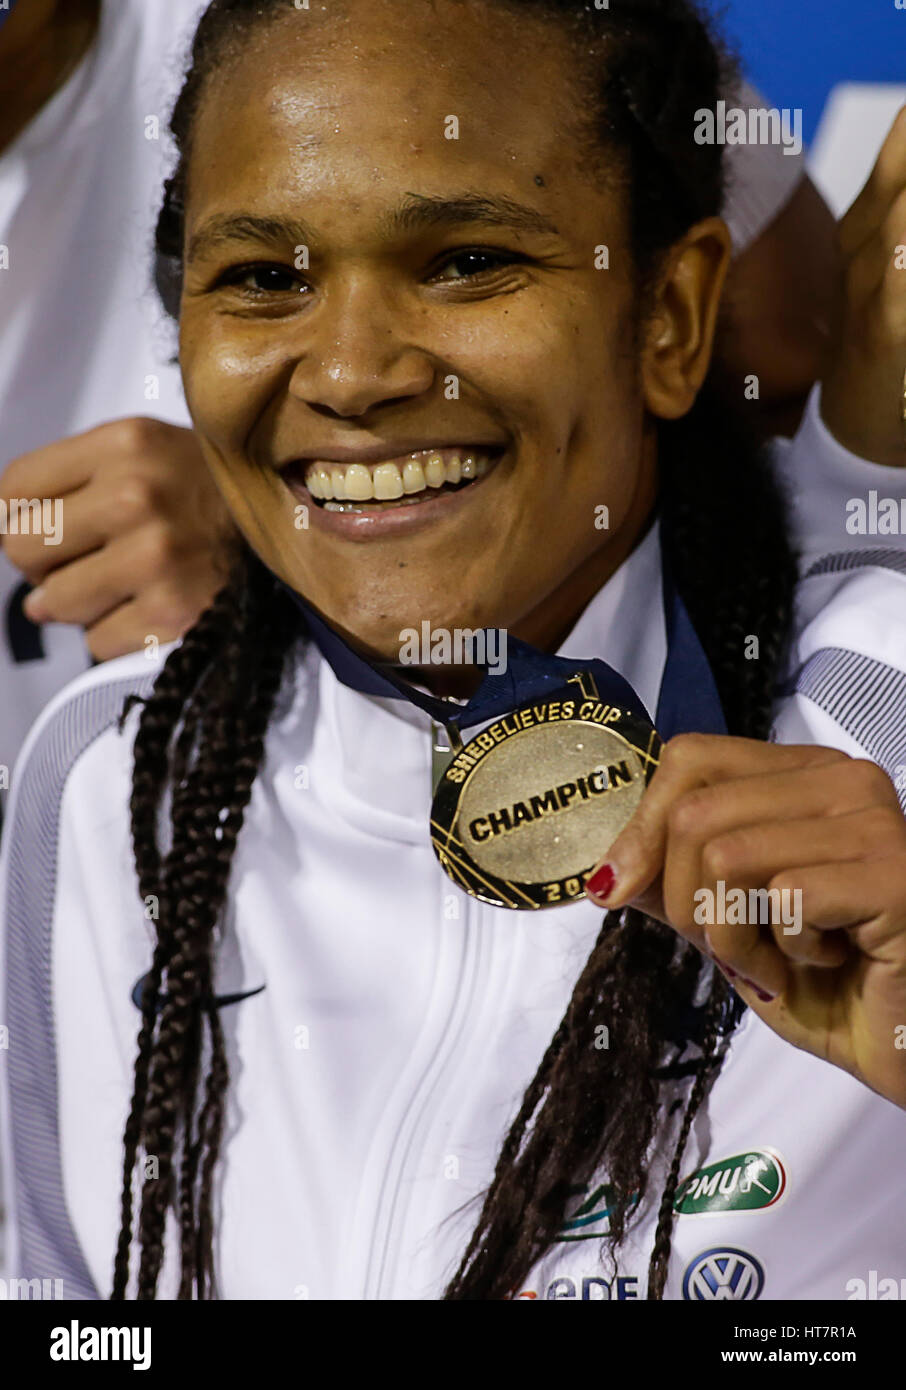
x: 143, y: 544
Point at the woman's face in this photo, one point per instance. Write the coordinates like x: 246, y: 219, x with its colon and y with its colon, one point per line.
x: 395, y: 277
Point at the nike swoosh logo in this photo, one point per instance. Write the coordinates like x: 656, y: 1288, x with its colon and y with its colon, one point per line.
x: 220, y: 1000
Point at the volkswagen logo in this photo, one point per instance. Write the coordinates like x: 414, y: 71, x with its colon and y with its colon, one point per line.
x: 719, y: 1274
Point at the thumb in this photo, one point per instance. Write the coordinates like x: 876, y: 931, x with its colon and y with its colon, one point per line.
x: 631, y: 871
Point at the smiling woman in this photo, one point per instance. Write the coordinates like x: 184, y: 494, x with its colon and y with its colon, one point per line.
x: 415, y: 343
x: 454, y: 265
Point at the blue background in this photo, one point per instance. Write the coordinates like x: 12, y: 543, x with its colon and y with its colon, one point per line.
x: 795, y: 51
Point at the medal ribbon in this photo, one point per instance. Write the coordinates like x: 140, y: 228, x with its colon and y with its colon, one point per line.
x: 687, y: 702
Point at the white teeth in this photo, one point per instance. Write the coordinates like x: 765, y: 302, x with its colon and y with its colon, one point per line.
x: 336, y: 484
x: 358, y: 483
x: 387, y: 482
x: 320, y: 483
x: 413, y: 476
x: 435, y: 473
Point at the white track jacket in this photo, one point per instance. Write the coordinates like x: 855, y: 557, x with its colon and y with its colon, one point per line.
x: 392, y: 1023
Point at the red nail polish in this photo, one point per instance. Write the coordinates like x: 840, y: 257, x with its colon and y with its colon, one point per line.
x: 601, y: 883
x: 728, y: 970
x: 761, y: 993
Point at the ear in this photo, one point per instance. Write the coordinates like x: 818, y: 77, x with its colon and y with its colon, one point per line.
x: 679, y: 335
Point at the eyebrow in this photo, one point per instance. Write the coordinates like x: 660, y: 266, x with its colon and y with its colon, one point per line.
x: 245, y: 226
x: 416, y: 212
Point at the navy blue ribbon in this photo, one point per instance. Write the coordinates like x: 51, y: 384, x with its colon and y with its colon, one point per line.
x: 688, y: 700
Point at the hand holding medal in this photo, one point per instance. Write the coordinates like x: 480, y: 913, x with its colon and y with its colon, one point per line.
x: 525, y: 808
x: 726, y: 817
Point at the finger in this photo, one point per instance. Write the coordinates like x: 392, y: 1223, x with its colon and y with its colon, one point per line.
x: 741, y: 833
x: 53, y: 470
x: 118, y: 633
x: 885, y: 181
x: 855, y: 897
x: 86, y: 521
x: 33, y: 534
x: 139, y: 447
x: 116, y: 505
x: 800, y: 942
x: 877, y: 264
x: 162, y: 612
x: 687, y: 762
x: 749, y: 858
x: 85, y: 590
x: 751, y: 957
x: 152, y: 560
x: 130, y: 628
x: 127, y: 473
x: 752, y: 853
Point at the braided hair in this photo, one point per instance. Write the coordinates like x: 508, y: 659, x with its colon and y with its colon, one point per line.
x: 647, y: 66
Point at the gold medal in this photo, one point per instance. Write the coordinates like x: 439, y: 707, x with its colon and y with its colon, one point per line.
x: 524, y: 811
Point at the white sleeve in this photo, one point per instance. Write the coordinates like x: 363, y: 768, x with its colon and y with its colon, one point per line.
x: 836, y: 498
x: 847, y: 682
x: 761, y: 178
x: 66, y: 987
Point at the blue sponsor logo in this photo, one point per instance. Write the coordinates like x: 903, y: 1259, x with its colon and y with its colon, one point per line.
x: 721, y: 1274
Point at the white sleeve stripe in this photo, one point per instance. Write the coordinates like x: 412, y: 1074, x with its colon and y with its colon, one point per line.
x: 858, y: 559
x: 866, y: 698
x: 48, y: 1245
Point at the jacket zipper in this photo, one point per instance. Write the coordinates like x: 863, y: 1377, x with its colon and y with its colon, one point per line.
x: 394, y: 1205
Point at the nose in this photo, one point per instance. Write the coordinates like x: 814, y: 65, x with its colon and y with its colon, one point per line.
x: 357, y: 353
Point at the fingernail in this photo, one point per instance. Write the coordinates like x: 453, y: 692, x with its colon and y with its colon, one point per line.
x: 762, y: 994
x: 732, y: 974
x: 601, y: 883
x: 728, y: 970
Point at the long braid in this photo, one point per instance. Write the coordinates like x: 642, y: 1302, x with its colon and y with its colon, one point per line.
x: 211, y: 1118
x: 649, y: 65
x: 210, y: 1132
x: 708, y: 1065
x: 186, y: 665
x: 231, y: 695
x: 205, y: 827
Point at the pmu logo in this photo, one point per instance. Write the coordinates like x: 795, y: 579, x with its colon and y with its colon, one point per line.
x: 723, y: 1274
x: 745, y: 1182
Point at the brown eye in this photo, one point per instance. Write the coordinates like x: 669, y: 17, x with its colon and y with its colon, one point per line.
x: 264, y: 279
x: 468, y: 264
